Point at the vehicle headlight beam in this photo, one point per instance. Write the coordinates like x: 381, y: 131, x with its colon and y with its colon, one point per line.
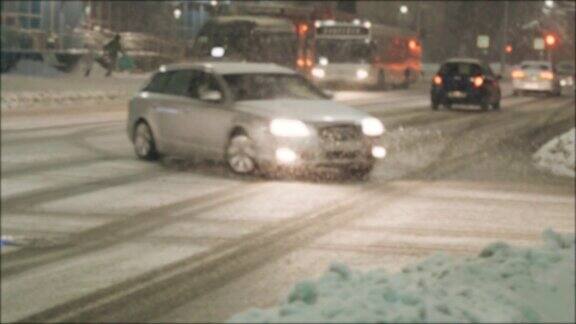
x: 372, y: 127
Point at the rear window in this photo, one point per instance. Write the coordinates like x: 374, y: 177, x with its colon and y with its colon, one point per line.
x: 541, y: 67
x: 461, y: 69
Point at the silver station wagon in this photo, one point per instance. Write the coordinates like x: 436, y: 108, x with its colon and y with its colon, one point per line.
x: 253, y: 116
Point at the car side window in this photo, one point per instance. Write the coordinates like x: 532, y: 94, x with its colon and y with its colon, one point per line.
x: 486, y: 70
x: 203, y: 83
x: 178, y: 83
x: 158, y: 82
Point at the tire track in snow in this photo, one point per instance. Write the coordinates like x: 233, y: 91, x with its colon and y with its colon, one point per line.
x: 163, y: 289
x: 128, y: 227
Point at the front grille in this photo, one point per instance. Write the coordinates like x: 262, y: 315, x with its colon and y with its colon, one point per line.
x: 338, y: 155
x: 340, y: 133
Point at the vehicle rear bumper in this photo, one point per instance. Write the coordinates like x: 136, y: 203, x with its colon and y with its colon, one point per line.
x: 466, y: 97
x: 533, y: 85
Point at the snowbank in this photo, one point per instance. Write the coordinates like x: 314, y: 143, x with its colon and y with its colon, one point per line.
x: 20, y: 90
x: 35, y: 68
x: 502, y: 284
x: 557, y: 156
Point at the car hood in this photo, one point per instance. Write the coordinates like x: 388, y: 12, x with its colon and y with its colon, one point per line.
x: 305, y: 110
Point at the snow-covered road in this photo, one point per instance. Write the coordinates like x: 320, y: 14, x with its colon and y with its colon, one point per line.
x: 101, y: 236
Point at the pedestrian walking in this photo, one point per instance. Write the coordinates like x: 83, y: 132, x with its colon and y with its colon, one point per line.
x: 88, y: 59
x: 111, y: 50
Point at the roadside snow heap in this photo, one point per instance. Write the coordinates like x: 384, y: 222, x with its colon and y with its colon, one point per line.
x: 557, y: 156
x: 502, y: 284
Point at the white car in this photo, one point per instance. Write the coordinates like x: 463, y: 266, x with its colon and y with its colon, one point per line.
x: 535, y: 76
x: 253, y: 116
x: 566, y: 73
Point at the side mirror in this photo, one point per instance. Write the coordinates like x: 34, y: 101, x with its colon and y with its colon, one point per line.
x: 329, y: 94
x: 211, y: 95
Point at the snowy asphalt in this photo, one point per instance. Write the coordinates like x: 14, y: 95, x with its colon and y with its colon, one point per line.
x: 100, y: 236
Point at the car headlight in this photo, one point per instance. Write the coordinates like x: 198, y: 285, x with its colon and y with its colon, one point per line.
x: 372, y: 127
x: 361, y: 74
x: 318, y: 73
x: 288, y: 128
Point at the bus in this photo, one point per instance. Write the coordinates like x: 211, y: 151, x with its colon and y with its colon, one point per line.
x: 364, y: 54
x: 247, y: 38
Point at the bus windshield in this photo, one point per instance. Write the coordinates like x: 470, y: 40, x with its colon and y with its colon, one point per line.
x: 344, y: 50
x: 277, y: 48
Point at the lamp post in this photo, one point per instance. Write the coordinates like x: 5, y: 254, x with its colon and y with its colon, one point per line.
x: 504, y: 40
x: 177, y: 15
x: 402, y: 15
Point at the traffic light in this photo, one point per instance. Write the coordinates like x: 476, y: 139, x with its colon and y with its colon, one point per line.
x: 302, y: 29
x: 550, y: 40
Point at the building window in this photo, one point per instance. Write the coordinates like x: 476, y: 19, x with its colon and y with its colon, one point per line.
x: 35, y: 23
x: 24, y: 7
x: 36, y: 7
x: 24, y: 22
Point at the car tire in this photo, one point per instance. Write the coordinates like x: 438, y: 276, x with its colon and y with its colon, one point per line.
x: 496, y: 105
x: 240, y: 155
x: 144, y: 143
x: 434, y: 104
x: 447, y: 105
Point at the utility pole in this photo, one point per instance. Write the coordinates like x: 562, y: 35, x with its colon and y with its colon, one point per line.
x: 504, y: 40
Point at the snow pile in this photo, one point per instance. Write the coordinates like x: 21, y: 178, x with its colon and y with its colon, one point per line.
x: 502, y: 284
x: 557, y: 156
x: 35, y: 68
x: 28, y: 98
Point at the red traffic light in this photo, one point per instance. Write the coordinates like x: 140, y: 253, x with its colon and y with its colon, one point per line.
x: 550, y: 40
x: 508, y: 49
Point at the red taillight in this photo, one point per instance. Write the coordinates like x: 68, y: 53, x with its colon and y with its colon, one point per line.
x: 546, y: 75
x: 478, y: 81
x: 437, y: 80
x: 518, y: 74
x: 309, y: 62
x: 412, y: 44
x: 300, y: 62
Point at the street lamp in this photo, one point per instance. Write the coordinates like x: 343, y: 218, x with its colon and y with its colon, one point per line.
x: 403, y: 9
x: 177, y: 13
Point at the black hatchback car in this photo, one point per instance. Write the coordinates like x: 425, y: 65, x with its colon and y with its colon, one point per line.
x: 465, y: 81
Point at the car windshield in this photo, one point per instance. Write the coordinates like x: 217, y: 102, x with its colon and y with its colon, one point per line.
x: 541, y: 67
x: 343, y: 51
x: 461, y: 69
x: 263, y: 86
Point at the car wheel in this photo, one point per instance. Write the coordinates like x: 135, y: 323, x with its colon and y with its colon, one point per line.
x: 144, y: 144
x: 448, y: 105
x: 496, y: 105
x: 434, y: 104
x: 240, y: 154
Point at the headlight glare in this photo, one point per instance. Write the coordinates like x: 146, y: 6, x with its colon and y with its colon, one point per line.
x: 361, y: 74
x: 372, y: 127
x: 289, y: 128
x: 318, y: 73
